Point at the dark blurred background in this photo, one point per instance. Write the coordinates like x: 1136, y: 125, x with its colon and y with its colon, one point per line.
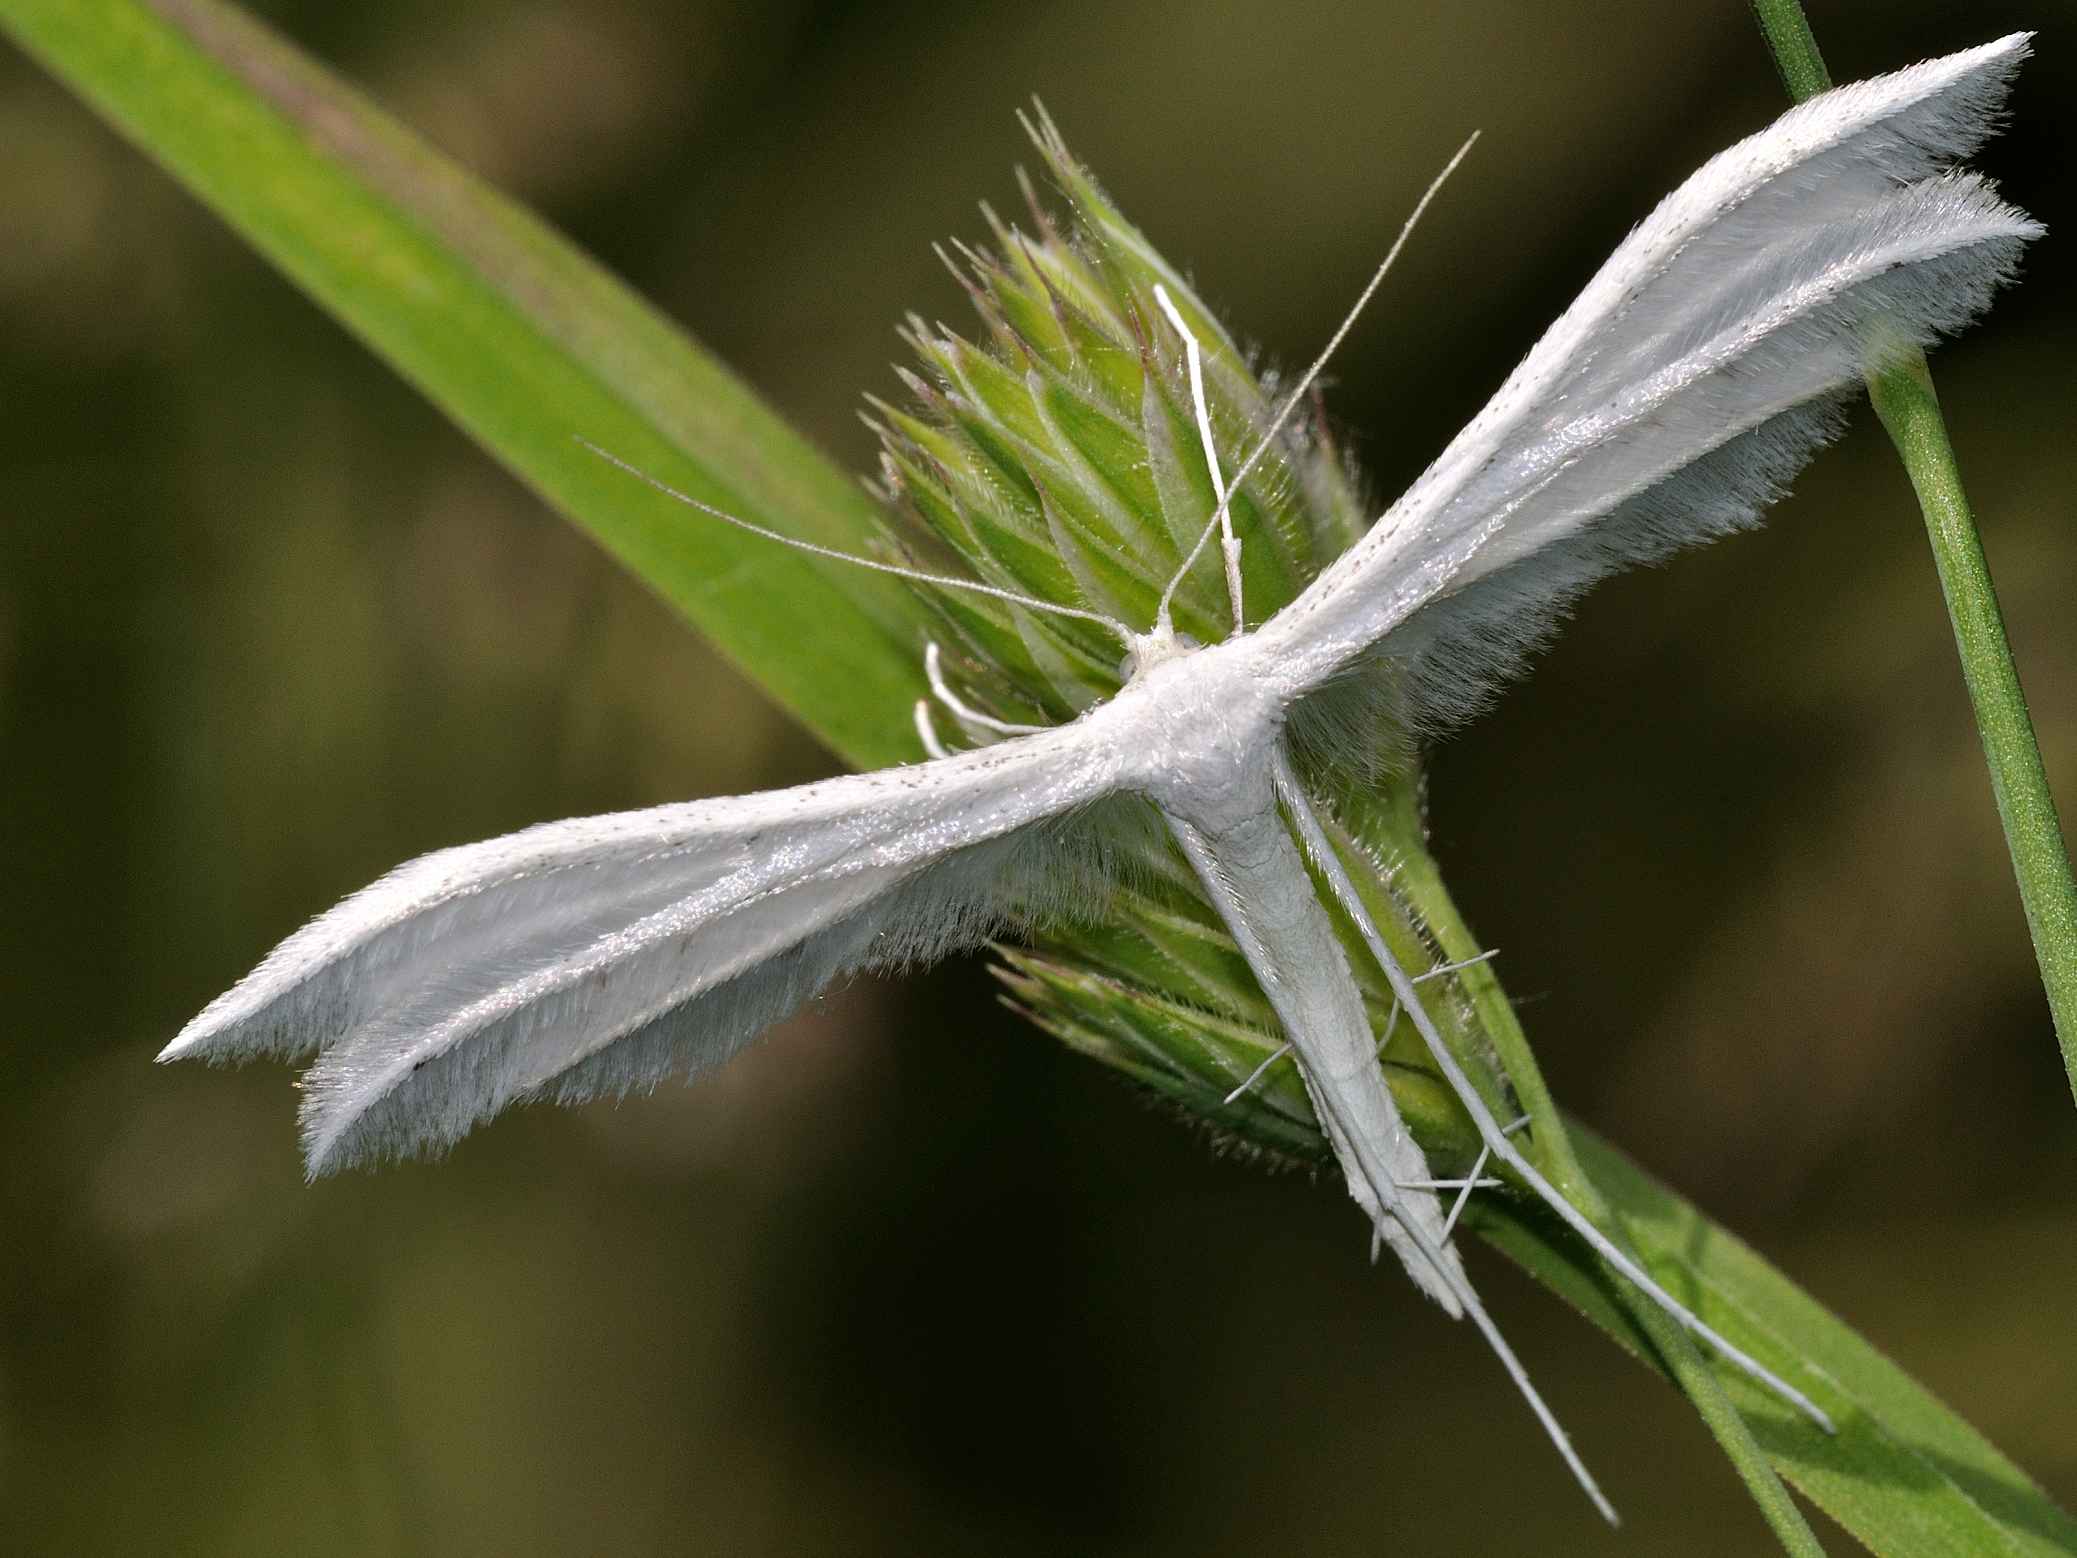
x: 908, y: 1277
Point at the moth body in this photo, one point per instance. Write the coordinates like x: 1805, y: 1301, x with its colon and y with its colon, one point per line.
x: 1194, y: 728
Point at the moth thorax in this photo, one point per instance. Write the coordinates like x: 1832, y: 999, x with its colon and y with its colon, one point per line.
x: 1199, y: 724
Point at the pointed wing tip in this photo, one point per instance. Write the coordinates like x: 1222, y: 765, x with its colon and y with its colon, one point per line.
x: 2012, y: 48
x: 196, y: 1041
x: 222, y: 1034
x: 1988, y: 70
x: 337, y: 1146
x: 325, y: 1146
x: 341, y: 1132
x: 2000, y: 58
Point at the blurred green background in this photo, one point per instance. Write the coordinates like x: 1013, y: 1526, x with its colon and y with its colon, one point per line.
x: 907, y: 1277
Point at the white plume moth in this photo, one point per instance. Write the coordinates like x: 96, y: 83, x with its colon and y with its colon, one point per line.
x: 1696, y: 373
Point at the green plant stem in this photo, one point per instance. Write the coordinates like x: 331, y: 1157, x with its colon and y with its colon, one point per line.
x: 1421, y: 882
x: 1904, y: 399
x: 1794, y: 47
x: 1902, y: 392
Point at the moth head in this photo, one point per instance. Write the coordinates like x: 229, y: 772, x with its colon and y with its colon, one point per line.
x: 1154, y: 647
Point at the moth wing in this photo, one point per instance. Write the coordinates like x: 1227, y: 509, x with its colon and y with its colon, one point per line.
x: 1686, y: 385
x: 601, y: 954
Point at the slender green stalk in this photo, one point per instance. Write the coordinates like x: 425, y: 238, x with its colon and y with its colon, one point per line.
x: 1795, y: 47
x: 1902, y: 392
x: 1904, y: 399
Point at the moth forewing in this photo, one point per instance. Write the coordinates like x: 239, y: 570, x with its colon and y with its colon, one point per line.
x: 600, y: 954
x: 1684, y: 387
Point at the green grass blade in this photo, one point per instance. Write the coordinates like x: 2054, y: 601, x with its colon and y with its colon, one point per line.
x: 518, y: 337
x: 1904, y: 1474
x: 1902, y: 393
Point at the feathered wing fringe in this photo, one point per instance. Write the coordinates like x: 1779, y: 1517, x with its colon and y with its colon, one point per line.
x: 654, y: 1000
x: 1685, y: 387
x: 1447, y: 662
x: 478, y: 975
x: 1822, y: 163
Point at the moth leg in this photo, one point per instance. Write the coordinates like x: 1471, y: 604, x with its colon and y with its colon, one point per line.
x: 966, y: 713
x: 1457, y: 1206
x: 1256, y: 878
x: 1229, y: 543
x: 1322, y: 851
x: 1473, y: 961
x: 1392, y: 1018
x: 1487, y: 1183
x: 1282, y: 1050
x: 1471, y: 1182
x: 1256, y: 1075
x: 927, y: 731
x: 1485, y: 1154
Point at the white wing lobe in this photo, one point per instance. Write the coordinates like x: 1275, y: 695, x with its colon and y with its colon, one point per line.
x: 1673, y: 400
x: 600, y: 954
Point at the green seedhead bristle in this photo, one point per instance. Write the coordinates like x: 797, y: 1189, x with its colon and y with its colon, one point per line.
x: 1056, y: 453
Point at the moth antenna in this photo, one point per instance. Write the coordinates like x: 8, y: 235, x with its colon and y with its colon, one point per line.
x: 1229, y: 543
x: 916, y: 575
x: 1219, y: 520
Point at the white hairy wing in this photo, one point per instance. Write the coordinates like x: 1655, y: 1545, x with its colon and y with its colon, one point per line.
x: 1684, y: 387
x: 603, y: 953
